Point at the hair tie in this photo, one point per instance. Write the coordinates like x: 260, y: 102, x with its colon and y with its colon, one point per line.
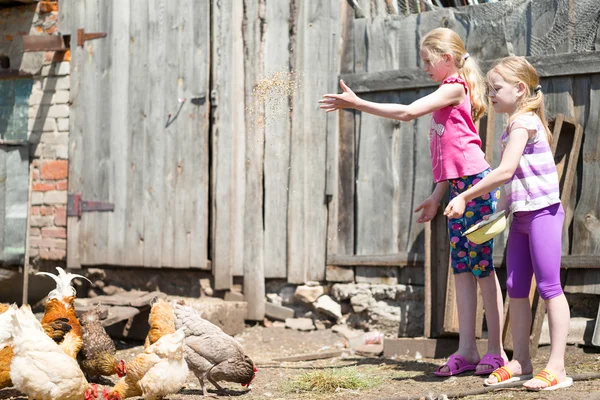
x: 467, y: 55
x: 537, y: 89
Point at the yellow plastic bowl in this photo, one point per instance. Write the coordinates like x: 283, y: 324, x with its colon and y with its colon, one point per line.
x: 487, y: 229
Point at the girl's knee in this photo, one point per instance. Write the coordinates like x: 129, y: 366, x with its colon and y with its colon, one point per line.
x: 549, y: 291
x: 519, y: 291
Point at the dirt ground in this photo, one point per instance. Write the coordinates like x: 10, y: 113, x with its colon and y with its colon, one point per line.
x: 402, y: 378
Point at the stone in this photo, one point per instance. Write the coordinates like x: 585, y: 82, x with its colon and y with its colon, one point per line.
x: 308, y: 294
x: 232, y: 295
x: 205, y: 286
x: 360, y: 302
x: 227, y: 315
x: 276, y: 312
x: 325, y: 304
x: 300, y: 324
x: 274, y: 298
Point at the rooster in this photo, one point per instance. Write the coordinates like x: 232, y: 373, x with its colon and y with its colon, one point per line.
x: 161, y: 321
x: 6, y: 348
x: 40, y: 368
x: 158, y: 371
x: 97, y: 355
x: 211, y: 353
x: 59, y: 320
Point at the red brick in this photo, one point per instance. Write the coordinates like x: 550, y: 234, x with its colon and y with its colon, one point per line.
x: 36, y: 174
x: 35, y: 232
x: 48, y: 243
x: 62, y: 185
x: 52, y: 254
x: 54, y: 232
x: 43, y: 187
x: 35, y: 210
x: 60, y: 216
x: 55, y: 169
x: 44, y: 210
x: 48, y: 6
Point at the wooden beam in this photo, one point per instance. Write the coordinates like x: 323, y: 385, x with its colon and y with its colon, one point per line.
x: 415, y: 78
x: 44, y: 43
x: 387, y: 260
x: 567, y: 262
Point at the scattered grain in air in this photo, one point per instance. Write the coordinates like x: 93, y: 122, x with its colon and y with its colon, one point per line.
x: 273, y: 95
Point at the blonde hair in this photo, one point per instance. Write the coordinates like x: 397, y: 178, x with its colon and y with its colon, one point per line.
x: 515, y: 70
x: 442, y: 41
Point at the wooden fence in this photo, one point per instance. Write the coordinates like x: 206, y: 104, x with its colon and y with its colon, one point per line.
x: 267, y: 192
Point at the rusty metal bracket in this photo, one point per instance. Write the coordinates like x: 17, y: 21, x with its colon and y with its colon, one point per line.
x: 82, y: 37
x: 76, y: 205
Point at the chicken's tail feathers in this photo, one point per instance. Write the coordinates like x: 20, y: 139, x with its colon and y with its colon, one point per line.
x: 6, y: 327
x: 63, y: 283
x: 23, y: 319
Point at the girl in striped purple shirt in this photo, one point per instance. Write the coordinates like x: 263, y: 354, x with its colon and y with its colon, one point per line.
x: 531, y: 184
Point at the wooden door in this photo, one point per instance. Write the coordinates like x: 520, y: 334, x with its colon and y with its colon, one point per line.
x: 139, y: 132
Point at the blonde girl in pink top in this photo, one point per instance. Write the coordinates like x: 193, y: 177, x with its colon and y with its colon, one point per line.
x: 457, y: 162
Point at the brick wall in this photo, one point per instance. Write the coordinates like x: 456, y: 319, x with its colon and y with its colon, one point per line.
x: 48, y: 124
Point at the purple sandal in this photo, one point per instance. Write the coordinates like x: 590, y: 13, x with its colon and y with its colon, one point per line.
x: 493, y: 360
x: 456, y: 365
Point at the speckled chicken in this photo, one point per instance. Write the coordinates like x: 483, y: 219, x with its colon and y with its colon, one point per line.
x: 211, y: 353
x: 98, y: 353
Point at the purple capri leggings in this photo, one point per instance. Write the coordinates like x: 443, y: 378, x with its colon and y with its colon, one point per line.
x: 534, y: 247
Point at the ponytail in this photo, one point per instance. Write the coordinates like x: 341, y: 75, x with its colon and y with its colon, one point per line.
x: 472, y: 75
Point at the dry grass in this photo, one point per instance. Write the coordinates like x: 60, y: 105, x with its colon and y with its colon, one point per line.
x: 331, y: 380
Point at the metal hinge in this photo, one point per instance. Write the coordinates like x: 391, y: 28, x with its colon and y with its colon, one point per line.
x: 82, y: 36
x: 76, y: 205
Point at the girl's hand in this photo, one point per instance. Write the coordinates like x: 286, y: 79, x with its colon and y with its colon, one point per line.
x: 429, y: 207
x: 333, y: 102
x: 456, y: 207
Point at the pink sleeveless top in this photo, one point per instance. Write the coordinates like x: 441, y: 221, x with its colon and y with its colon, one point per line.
x: 454, y: 143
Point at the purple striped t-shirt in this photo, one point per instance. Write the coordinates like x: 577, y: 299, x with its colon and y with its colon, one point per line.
x: 534, y: 184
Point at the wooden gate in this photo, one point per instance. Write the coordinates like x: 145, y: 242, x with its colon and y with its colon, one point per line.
x: 138, y: 132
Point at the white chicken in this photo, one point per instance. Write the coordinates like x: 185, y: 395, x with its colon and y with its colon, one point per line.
x: 157, y: 372
x: 40, y: 368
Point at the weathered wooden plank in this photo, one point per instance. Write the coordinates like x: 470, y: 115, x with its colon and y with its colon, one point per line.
x: 230, y: 144
x: 66, y: 17
x: 254, y: 273
x: 547, y: 66
x: 197, y: 91
x: 586, y: 231
x: 154, y: 164
x: 277, y: 140
x: 77, y: 123
x: 133, y: 298
x: 97, y: 78
x: 117, y: 135
x: 383, y: 260
x: 307, y: 211
x: 3, y: 193
x: 138, y: 90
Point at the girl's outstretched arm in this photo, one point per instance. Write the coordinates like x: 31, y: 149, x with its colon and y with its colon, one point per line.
x: 445, y: 95
x: 510, y: 161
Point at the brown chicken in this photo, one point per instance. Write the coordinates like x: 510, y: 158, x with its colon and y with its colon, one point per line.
x: 97, y: 355
x: 60, y: 312
x: 161, y: 321
x: 211, y: 353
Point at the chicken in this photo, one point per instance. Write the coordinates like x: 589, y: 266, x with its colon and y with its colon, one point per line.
x: 6, y: 348
x: 158, y: 371
x: 40, y: 368
x: 161, y: 320
x: 211, y: 353
x: 97, y: 355
x: 59, y: 320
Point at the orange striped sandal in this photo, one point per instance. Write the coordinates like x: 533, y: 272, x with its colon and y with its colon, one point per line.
x: 550, y: 379
x: 504, y: 376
